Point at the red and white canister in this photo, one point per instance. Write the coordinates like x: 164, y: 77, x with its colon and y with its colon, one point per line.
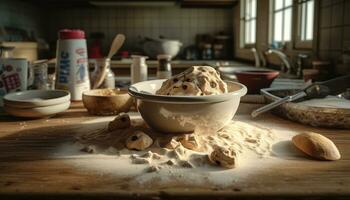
x: 72, y: 72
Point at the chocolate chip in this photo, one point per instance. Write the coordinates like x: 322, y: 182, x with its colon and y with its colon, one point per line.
x: 123, y: 119
x: 134, y: 138
x: 218, y: 162
x: 212, y: 84
x: 201, y: 94
x: 184, y: 87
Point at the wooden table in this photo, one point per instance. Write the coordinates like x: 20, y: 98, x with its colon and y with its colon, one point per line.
x: 27, y: 171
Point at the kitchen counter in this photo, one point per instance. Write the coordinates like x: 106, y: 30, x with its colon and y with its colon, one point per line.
x: 125, y: 63
x: 27, y: 170
x: 122, y: 67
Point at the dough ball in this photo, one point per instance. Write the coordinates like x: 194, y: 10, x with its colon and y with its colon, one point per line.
x: 121, y: 121
x: 139, y: 141
x: 223, y: 157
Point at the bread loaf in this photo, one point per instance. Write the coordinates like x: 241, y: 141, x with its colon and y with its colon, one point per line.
x: 317, y: 146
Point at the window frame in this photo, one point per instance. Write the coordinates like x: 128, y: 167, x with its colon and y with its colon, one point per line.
x: 243, y: 21
x: 272, y: 13
x: 299, y: 43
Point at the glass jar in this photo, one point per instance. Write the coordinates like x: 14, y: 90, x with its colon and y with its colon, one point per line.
x: 164, y: 66
x: 100, y: 78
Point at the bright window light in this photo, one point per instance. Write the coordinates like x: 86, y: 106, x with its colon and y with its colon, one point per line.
x: 248, y: 21
x: 306, y: 19
x: 281, y: 20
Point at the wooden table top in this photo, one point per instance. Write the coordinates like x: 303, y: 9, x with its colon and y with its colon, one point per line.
x: 26, y: 170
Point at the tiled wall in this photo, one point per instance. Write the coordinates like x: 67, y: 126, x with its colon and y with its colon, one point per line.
x: 172, y: 22
x: 334, y: 33
x: 22, y: 15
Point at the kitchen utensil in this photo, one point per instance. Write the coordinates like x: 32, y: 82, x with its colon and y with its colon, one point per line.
x: 72, y: 64
x: 183, y: 114
x: 107, y: 101
x: 154, y: 47
x: 98, y: 78
x: 314, y: 115
x: 37, y: 112
x: 317, y: 90
x: 36, y: 98
x: 116, y: 44
x: 101, y: 64
x: 138, y: 68
x: 255, y: 80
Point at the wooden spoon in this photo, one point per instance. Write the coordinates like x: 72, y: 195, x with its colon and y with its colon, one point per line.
x: 115, y: 46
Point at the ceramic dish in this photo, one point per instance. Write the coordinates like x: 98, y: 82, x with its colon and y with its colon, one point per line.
x: 107, y: 101
x: 183, y: 114
x: 256, y: 79
x: 36, y: 98
x: 305, y: 114
x: 37, y: 112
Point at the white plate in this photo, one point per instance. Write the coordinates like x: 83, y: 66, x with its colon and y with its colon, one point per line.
x: 36, y: 98
x: 37, y: 112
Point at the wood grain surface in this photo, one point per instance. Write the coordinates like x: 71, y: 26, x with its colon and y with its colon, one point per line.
x: 26, y: 170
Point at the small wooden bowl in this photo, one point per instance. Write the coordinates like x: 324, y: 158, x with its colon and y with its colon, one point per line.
x: 107, y: 101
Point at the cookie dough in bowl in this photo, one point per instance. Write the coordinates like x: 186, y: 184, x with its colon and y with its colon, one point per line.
x: 183, y: 113
x: 195, y: 81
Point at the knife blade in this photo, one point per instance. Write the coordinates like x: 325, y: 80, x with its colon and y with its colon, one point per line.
x: 316, y: 90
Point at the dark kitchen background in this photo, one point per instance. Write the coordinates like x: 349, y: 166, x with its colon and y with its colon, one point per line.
x: 186, y: 21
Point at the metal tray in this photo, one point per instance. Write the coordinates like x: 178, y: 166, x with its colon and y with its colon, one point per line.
x: 310, y: 115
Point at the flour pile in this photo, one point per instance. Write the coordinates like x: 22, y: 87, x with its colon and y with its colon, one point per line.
x: 144, y: 146
x: 186, y: 159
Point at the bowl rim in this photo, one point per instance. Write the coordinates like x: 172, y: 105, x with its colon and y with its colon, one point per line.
x: 11, y: 100
x: 133, y: 91
x: 257, y: 72
x: 122, y: 90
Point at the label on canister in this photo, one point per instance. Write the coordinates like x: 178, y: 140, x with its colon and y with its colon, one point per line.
x: 72, y: 67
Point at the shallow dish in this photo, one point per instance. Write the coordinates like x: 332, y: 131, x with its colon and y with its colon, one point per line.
x: 256, y: 79
x: 37, y: 112
x: 310, y: 115
x: 36, y: 98
x: 107, y: 101
x: 183, y: 114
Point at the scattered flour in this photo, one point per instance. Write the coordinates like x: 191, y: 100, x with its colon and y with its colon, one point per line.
x: 179, y: 166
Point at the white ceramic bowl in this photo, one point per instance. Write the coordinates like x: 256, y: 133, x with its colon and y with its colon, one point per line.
x: 183, y: 114
x: 36, y: 98
x: 37, y: 112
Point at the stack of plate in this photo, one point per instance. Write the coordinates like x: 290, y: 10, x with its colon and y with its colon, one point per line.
x: 36, y: 103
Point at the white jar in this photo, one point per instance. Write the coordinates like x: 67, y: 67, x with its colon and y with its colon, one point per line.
x: 138, y: 69
x: 72, y: 64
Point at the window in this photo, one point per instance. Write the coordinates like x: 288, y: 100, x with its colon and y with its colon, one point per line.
x: 281, y: 18
x: 248, y: 22
x: 306, y: 20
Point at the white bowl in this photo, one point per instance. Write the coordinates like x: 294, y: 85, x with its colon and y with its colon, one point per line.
x: 36, y: 98
x: 37, y: 112
x: 184, y: 114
